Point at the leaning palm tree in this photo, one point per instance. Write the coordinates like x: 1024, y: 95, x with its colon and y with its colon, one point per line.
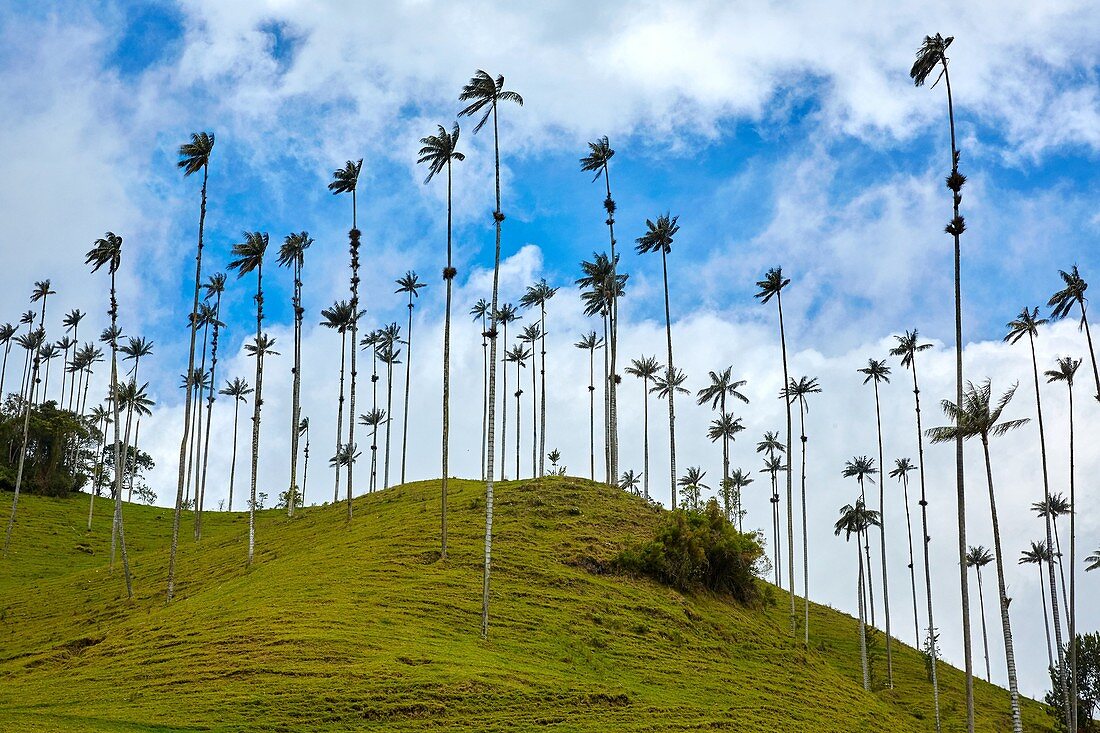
x: 239, y: 390
x: 858, y: 520
x: 739, y: 481
x: 518, y: 355
x: 292, y: 254
x: 338, y: 317
x: 799, y: 390
x: 71, y: 322
x: 1062, y: 303
x: 32, y: 342
x: 408, y: 284
x: 214, y: 287
x: 722, y: 384
x: 537, y: 295
x: 600, y: 154
x: 863, y: 469
x: 194, y: 157
x: 646, y: 369
x: 902, y: 467
x: 725, y: 428
x: 977, y: 558
x: 659, y: 238
x: 345, y: 180
x: 7, y: 333
x: 1067, y: 368
x: 249, y: 256
x: 389, y: 354
x: 591, y: 342
x: 504, y: 315
x: 1036, y: 555
x: 876, y: 372
x: 483, y: 94
x: 772, y: 287
x: 108, y: 251
x: 480, y: 311
x: 932, y: 55
x: 440, y: 152
x: 907, y: 348
x: 530, y: 335
x: 979, y: 416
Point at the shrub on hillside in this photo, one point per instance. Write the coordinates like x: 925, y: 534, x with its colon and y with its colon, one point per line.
x: 698, y: 549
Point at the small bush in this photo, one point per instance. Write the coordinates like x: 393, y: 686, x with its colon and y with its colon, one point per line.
x: 694, y: 549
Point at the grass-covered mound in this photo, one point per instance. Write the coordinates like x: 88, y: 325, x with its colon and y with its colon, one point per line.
x: 361, y: 627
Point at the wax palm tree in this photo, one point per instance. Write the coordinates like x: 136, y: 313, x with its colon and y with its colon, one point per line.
x: 771, y: 286
x: 979, y: 416
x: 480, y: 311
x: 101, y: 418
x: 908, y: 346
x: 47, y: 352
x: 1093, y: 561
x: 249, y: 256
x: 877, y: 372
x: 590, y: 341
x: 1036, y: 555
x: 239, y: 390
x: 372, y: 341
x: 774, y: 465
x: 292, y: 254
x: 739, y: 481
x: 629, y: 482
x: 194, y: 157
x: 408, y: 284
x: 63, y: 345
x: 599, y: 155
x: 659, y: 238
x: 483, y: 94
x: 138, y: 403
x: 901, y: 470
x: 600, y: 286
x: 863, y: 470
x: 27, y: 319
x: 345, y: 180
x: 71, y: 322
x: 504, y: 315
x: 725, y: 428
x: 692, y: 485
x: 668, y: 384
x: 932, y: 55
x: 798, y: 390
x: 205, y: 318
x: 538, y: 295
x: 530, y: 335
x: 1067, y: 368
x: 440, y: 152
x: 339, y: 317
x: 303, y: 429
x: 1062, y: 303
x: 857, y: 520
x: 977, y: 558
x: 646, y: 369
x: 7, y: 333
x: 214, y: 287
x: 722, y: 384
x: 89, y: 357
x: 372, y: 420
x: 31, y: 342
x: 389, y: 354
x: 518, y: 355
x: 135, y: 400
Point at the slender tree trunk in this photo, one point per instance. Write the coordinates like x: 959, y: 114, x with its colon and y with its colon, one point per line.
x: 912, y: 569
x: 353, y: 237
x: 118, y: 458
x: 503, y: 409
x: 1006, y: 625
x: 389, y: 419
x: 64, y: 378
x: 519, y: 424
x: 614, y: 316
x: 985, y: 636
x: 862, y: 626
x: 76, y: 343
x: 775, y: 528
x: 374, y: 427
x: 805, y: 536
x: 1072, y: 569
x: 925, y: 539
x: 120, y: 477
x: 1046, y: 617
x: 201, y: 503
x: 233, y: 461
x: 134, y: 470
x: 408, y: 376
x: 257, y: 403
x: 672, y: 390
x: 592, y: 412
x: 790, y: 488
x: 295, y: 392
x: 868, y: 585
x: 882, y: 538
x: 645, y: 436
x: 98, y: 471
x: 534, y: 418
x: 448, y: 276
x: 196, y: 458
x: 4, y: 370
x: 606, y: 406
x: 187, y: 398
x: 1092, y: 352
x: 484, y: 398
x: 542, y: 398
x: 340, y: 416
x: 305, y: 467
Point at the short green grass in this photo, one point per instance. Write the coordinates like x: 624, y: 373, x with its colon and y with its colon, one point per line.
x: 360, y: 626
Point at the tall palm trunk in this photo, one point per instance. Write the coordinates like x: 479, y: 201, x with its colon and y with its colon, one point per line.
x: 592, y: 412
x: 805, y: 536
x: 1046, y: 617
x: 295, y: 396
x: 4, y: 369
x: 882, y: 538
x: 672, y: 390
x: 76, y: 328
x: 485, y: 469
x: 305, y: 467
x: 542, y: 397
x: 374, y: 427
x: 862, y: 626
x: 868, y: 584
x: 606, y: 405
x: 353, y: 237
x: 645, y: 436
x: 1092, y: 352
x: 726, y: 498
x: 118, y: 456
x: 125, y: 450
x: 912, y: 569
x: 534, y: 418
x: 1072, y: 569
x: 201, y: 503
x: 519, y: 424
x: 340, y: 414
x: 985, y: 636
x: 925, y: 538
x: 503, y: 407
x: 257, y: 402
x: 1006, y: 625
x: 408, y: 377
x: 776, y: 551
x: 233, y: 461
x: 790, y: 488
x: 134, y: 470
x: 389, y: 418
x: 98, y: 471
x: 187, y: 398
x: 448, y: 276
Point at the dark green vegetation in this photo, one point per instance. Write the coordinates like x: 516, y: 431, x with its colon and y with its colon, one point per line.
x: 360, y: 626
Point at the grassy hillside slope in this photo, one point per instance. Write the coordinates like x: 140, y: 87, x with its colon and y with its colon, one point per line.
x: 361, y: 627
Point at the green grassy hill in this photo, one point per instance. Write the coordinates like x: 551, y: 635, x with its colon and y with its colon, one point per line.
x: 361, y: 627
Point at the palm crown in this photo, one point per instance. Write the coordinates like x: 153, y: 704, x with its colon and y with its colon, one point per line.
x: 877, y: 370
x: 410, y: 284
x: 106, y: 251
x: 599, y: 154
x: 345, y: 179
x: 977, y: 416
x: 978, y: 557
x: 1025, y: 324
x: 721, y: 384
x: 1067, y: 367
x: 772, y: 283
x: 1073, y: 293
x: 483, y: 93
x: 1036, y: 554
x: 659, y: 235
x: 797, y: 389
x: 901, y: 469
x: 646, y: 367
x: 908, y: 347
x: 215, y: 285
x: 856, y: 519
x: 669, y: 381
x: 724, y: 426
x: 439, y: 150
x: 195, y: 155
x: 771, y: 443
x: 293, y: 250
x: 860, y: 468
x: 237, y: 389
x: 337, y: 316
x: 537, y: 294
x: 72, y: 319
x: 931, y: 53
x: 249, y: 253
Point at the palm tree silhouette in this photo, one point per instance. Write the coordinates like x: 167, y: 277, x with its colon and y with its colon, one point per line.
x: 206, y: 317
x: 63, y: 345
x: 908, y: 346
x: 519, y: 356
x: 537, y: 295
x: 239, y: 390
x: 292, y: 254
x: 877, y: 371
x: 345, y: 180
x: 722, y: 384
x: 1062, y: 303
x: 100, y: 418
x: 591, y: 342
x: 389, y: 354
x: 668, y: 384
x: 725, y: 428
x: 902, y: 467
x: 857, y: 520
x: 692, y: 484
x: 483, y: 93
x: 1067, y: 368
x: 411, y: 285
x: 977, y: 558
x: 194, y: 157
x: 249, y: 256
x: 71, y: 322
x: 645, y: 368
x: 599, y: 286
x: 440, y: 152
x: 135, y: 399
x: 659, y: 238
x: 7, y: 333
x: 138, y: 403
x: 480, y: 311
x: 799, y: 390
x: 214, y: 287
x: 1036, y: 555
x: 933, y: 54
x: 629, y: 482
x: 863, y: 469
x: 47, y: 352
x: 372, y: 420
x: 338, y: 317
x: 504, y: 315
x: 773, y: 465
x: 979, y: 416
x: 531, y: 334
x: 303, y: 429
x: 372, y: 341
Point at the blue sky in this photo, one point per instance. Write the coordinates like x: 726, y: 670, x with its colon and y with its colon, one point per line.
x: 781, y: 134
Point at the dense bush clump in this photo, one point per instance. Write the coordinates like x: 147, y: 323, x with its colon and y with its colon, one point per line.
x: 52, y: 466
x: 694, y: 549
